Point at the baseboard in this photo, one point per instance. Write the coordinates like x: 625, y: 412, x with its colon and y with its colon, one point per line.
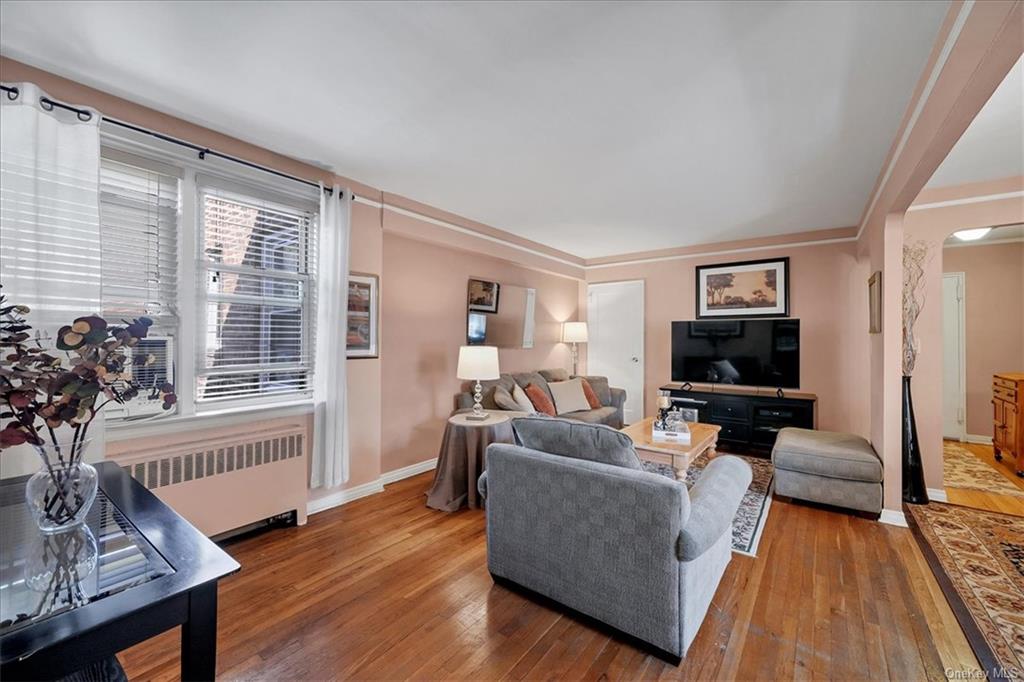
x: 344, y: 497
x: 937, y: 495
x: 389, y: 477
x: 980, y: 440
x: 893, y: 518
x: 366, y: 489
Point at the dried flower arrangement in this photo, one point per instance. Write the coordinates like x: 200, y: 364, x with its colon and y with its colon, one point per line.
x: 39, y: 394
x: 916, y: 256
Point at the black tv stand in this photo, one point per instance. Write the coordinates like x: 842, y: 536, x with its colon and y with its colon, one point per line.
x: 750, y: 417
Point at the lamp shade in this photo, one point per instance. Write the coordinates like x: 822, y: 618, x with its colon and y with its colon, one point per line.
x: 574, y: 332
x: 478, y: 363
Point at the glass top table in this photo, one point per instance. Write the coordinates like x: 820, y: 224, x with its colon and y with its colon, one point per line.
x: 133, y: 570
x: 43, y: 575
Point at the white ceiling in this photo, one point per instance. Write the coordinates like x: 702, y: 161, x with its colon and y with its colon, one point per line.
x: 992, y: 147
x: 596, y: 128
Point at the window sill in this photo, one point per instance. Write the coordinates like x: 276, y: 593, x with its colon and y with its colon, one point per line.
x: 120, y: 431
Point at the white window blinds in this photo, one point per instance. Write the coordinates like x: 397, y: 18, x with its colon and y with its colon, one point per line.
x: 139, y: 221
x: 255, y: 271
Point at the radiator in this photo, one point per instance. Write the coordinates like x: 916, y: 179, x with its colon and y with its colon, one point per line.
x: 225, y: 478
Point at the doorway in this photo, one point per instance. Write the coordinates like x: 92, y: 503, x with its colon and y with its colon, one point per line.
x: 615, y: 349
x: 954, y: 379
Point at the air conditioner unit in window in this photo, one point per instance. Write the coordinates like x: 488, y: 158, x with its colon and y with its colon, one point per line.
x: 149, y: 377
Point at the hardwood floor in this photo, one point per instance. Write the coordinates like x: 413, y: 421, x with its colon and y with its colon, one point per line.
x: 384, y: 588
x: 980, y: 499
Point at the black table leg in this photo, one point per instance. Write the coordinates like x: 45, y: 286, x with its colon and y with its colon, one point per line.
x: 199, y: 635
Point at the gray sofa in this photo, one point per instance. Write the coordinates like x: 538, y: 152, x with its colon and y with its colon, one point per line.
x: 629, y: 548
x: 612, y: 399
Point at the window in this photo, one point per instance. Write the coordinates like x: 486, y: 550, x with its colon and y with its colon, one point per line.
x: 255, y: 280
x: 139, y: 208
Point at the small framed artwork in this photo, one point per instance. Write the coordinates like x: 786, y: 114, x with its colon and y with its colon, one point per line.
x: 483, y: 296
x: 363, y: 316
x: 753, y: 288
x: 875, y: 303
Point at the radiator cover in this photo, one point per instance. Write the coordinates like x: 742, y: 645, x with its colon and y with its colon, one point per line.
x: 224, y: 478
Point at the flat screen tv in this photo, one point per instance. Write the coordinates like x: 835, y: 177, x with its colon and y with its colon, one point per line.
x: 740, y: 352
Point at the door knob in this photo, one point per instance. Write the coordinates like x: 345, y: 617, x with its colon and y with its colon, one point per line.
x: 636, y: 359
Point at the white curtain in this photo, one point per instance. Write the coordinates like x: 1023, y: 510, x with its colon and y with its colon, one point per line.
x: 49, y: 224
x: 330, y: 425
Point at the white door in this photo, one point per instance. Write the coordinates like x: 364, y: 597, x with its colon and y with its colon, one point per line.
x: 615, y: 346
x: 954, y: 390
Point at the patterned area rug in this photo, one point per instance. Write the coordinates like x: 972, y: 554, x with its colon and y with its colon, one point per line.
x: 753, y: 512
x: 980, y: 555
x: 961, y: 469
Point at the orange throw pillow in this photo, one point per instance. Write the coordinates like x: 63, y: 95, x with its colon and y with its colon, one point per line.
x: 591, y: 396
x: 541, y: 402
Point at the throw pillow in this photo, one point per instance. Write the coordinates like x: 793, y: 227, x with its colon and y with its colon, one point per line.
x: 504, y: 399
x: 568, y: 438
x: 592, y: 398
x: 541, y: 402
x: 569, y: 396
x: 523, y: 400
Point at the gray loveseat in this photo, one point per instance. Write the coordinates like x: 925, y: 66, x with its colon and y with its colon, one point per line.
x: 632, y: 549
x: 612, y: 399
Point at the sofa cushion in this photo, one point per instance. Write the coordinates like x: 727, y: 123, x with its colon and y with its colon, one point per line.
x: 601, y: 388
x: 592, y: 442
x: 524, y: 379
x: 558, y: 374
x: 569, y: 396
x: 541, y: 402
x: 522, y: 400
x: 592, y: 398
x: 487, y: 399
x: 826, y: 453
x: 602, y: 415
x: 504, y: 399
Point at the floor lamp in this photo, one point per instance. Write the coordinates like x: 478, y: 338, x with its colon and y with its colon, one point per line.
x: 574, y: 333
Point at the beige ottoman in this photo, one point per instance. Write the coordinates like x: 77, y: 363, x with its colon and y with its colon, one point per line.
x: 828, y: 467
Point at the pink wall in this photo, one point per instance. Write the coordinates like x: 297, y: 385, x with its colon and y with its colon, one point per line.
x: 994, y: 280
x: 424, y: 323
x: 934, y: 225
x: 828, y: 292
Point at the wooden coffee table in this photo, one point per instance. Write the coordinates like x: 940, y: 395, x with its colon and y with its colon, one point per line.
x: 703, y: 438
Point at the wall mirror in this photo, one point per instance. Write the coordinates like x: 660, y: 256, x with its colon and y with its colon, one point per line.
x: 501, y: 315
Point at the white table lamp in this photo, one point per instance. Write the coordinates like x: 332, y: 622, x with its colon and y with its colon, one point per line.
x: 574, y: 333
x: 478, y: 363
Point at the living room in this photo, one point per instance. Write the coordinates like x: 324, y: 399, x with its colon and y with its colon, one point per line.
x: 538, y: 200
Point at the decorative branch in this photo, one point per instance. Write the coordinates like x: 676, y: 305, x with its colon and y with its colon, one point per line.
x: 916, y: 256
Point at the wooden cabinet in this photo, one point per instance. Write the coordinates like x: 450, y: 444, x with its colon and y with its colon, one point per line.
x: 1007, y: 415
x: 749, y: 417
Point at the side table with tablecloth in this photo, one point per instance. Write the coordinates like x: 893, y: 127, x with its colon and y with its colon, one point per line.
x: 461, y: 458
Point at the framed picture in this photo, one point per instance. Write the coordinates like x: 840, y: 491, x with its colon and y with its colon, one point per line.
x: 483, y: 296
x: 363, y: 316
x: 875, y: 303
x: 753, y: 288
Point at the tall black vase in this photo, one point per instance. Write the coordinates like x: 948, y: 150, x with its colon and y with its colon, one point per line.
x: 914, y: 490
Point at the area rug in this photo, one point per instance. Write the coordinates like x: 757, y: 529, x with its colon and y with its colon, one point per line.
x: 961, y: 469
x: 750, y: 518
x: 978, y: 558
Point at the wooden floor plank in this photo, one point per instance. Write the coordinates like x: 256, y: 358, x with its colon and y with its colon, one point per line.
x: 385, y: 589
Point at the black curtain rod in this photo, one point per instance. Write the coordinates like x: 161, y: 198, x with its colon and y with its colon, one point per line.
x: 203, y: 152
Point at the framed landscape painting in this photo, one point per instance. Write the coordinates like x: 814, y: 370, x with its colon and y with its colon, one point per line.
x: 755, y: 288
x: 363, y: 316
x: 483, y: 296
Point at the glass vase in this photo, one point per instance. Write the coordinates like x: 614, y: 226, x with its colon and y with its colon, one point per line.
x: 60, y: 494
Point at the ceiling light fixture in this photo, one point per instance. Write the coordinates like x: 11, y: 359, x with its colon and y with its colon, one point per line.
x: 972, y: 235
